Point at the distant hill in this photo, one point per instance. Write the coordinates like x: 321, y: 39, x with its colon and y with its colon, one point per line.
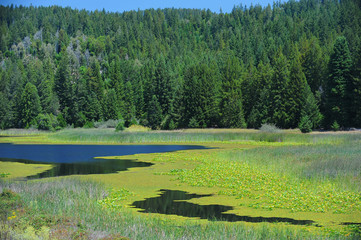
x: 295, y: 64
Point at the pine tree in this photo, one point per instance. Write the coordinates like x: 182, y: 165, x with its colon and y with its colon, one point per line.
x: 231, y: 107
x: 338, y: 88
x: 111, y: 109
x: 279, y: 92
x: 261, y: 104
x: 296, y: 89
x: 63, y: 88
x: 29, y: 105
x: 310, y: 109
x: 154, y: 113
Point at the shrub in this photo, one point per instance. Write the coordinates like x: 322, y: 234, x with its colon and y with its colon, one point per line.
x: 193, y: 123
x: 137, y: 128
x: 270, y: 128
x: 305, y: 124
x: 88, y: 124
x: 335, y: 126
x: 120, y: 126
x: 132, y: 121
x: 107, y: 124
x: 46, y: 122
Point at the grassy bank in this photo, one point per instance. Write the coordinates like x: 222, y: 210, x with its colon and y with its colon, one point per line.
x: 109, y: 136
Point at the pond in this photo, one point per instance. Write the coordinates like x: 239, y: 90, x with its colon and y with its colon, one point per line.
x: 80, y: 159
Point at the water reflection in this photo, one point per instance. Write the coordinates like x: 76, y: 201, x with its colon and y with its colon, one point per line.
x: 172, y: 202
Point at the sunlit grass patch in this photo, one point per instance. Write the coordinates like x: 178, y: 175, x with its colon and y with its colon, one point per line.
x: 20, y: 170
x: 268, y: 189
x: 115, y: 199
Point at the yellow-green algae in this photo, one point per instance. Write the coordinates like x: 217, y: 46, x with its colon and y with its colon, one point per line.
x: 19, y: 170
x: 204, y: 172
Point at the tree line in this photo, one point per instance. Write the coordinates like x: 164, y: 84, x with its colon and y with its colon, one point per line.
x: 293, y: 64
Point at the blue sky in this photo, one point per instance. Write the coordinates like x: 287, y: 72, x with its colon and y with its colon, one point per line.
x: 120, y: 6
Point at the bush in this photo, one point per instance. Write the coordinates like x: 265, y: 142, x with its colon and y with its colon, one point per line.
x: 61, y: 120
x: 193, y: 123
x: 270, y: 128
x: 305, y: 124
x: 132, y: 121
x: 120, y: 126
x: 107, y: 124
x: 137, y: 128
x: 335, y: 126
x: 88, y: 124
x: 46, y: 122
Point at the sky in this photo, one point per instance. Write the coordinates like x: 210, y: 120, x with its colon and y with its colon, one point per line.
x: 127, y: 5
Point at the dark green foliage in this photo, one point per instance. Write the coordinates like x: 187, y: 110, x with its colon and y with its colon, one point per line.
x: 279, y: 92
x: 120, y: 126
x: 201, y: 95
x: 111, y: 109
x: 310, y: 109
x: 88, y: 124
x: 243, y: 68
x: 305, y: 124
x: 296, y: 89
x: 29, y: 106
x: 61, y: 120
x: 154, y: 113
x: 335, y: 126
x: 231, y: 107
x: 47, y: 122
x: 338, y: 91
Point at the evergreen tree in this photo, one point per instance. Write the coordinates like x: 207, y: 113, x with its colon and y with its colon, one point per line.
x: 279, y: 92
x: 356, y: 92
x: 338, y: 88
x: 48, y: 98
x: 111, y: 109
x: 310, y: 112
x: 231, y: 108
x: 201, y: 95
x: 260, y: 107
x: 64, y: 90
x: 296, y: 88
x: 154, y: 113
x: 29, y: 105
x: 129, y: 103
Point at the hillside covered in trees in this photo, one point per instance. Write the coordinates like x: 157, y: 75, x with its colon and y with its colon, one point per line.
x: 296, y: 64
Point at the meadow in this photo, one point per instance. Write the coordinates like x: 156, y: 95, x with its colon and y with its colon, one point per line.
x: 272, y: 174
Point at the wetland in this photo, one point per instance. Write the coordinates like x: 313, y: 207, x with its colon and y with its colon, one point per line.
x: 303, y: 187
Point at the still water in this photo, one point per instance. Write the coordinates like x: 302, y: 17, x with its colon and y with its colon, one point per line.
x: 80, y: 159
x: 174, y: 202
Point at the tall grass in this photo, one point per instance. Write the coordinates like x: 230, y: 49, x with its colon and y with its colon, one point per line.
x: 78, y: 200
x: 339, y: 163
x: 22, y: 132
x: 110, y: 136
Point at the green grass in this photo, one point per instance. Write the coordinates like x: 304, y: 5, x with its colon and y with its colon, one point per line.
x: 201, y: 135
x: 284, y: 174
x: 69, y: 208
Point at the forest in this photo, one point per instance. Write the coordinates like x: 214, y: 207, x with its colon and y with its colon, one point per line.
x: 295, y: 65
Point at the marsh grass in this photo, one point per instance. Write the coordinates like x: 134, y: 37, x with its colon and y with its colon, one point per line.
x: 338, y: 163
x: 68, y: 208
x: 22, y: 132
x: 197, y: 136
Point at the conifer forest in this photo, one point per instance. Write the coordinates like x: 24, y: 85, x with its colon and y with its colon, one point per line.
x: 295, y: 65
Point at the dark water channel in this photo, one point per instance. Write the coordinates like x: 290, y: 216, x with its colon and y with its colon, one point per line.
x: 173, y: 202
x: 79, y: 159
